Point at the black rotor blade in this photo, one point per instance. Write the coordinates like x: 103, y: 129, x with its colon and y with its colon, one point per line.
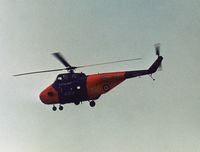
x: 69, y: 67
x: 36, y: 72
x: 97, y: 64
x: 61, y: 59
x: 157, y: 49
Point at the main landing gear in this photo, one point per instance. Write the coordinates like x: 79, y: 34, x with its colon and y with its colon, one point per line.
x: 54, y: 108
x: 92, y: 103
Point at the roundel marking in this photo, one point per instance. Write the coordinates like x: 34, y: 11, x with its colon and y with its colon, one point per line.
x: 106, y: 87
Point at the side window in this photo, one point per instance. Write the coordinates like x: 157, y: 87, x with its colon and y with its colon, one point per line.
x: 59, y: 78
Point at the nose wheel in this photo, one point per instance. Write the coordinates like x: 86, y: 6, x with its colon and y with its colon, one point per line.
x: 54, y: 108
x: 92, y: 103
x: 60, y: 107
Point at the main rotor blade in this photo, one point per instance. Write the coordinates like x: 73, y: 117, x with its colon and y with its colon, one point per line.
x: 35, y: 72
x: 72, y: 68
x: 97, y: 64
x: 61, y: 59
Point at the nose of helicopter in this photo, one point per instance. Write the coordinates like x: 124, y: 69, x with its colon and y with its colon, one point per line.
x: 49, y: 95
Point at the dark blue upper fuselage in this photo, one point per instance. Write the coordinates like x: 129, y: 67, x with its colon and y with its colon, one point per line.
x: 71, y: 87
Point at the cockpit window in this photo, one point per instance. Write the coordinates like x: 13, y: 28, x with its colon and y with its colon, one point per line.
x: 68, y: 77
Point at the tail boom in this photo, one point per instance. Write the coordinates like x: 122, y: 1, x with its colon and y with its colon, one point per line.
x: 153, y: 68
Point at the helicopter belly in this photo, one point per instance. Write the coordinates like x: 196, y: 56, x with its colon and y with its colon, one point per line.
x: 98, y: 84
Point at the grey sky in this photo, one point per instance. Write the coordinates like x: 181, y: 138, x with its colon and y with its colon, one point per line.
x: 139, y: 115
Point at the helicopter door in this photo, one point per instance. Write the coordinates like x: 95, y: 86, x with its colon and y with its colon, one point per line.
x: 67, y: 92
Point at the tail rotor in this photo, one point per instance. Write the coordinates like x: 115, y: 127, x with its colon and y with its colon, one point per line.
x: 157, y: 51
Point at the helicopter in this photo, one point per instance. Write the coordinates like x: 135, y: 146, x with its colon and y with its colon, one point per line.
x: 73, y: 87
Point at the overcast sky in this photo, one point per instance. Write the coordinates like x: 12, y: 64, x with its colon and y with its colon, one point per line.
x: 139, y: 115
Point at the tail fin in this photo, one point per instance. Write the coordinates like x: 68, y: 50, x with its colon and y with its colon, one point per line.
x: 153, y: 68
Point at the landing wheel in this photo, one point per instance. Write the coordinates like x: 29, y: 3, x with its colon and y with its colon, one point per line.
x: 92, y: 103
x: 54, y: 108
x: 60, y: 107
x: 77, y: 102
